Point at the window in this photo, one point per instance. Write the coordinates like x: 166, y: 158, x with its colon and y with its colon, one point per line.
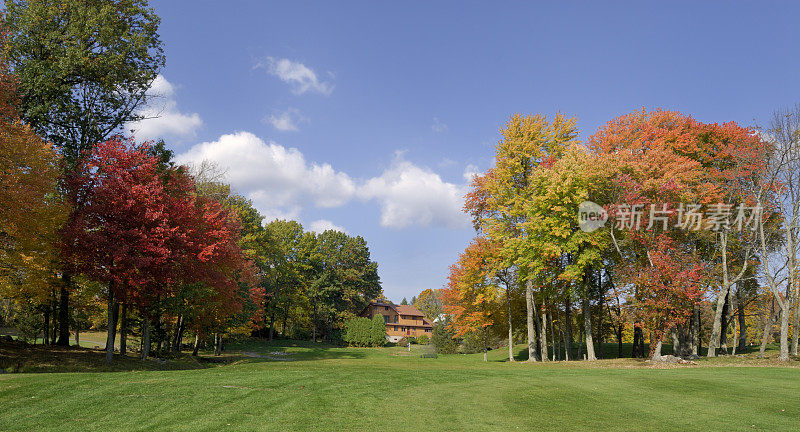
x: 427, y: 330
x: 386, y: 308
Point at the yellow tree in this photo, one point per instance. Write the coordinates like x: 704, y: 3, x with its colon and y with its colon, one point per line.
x: 555, y: 250
x: 30, y: 212
x: 498, y: 199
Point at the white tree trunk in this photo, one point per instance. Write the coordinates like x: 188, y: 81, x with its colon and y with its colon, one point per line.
x: 587, y: 326
x: 543, y: 337
x: 531, y: 311
x: 510, y: 329
x: 657, y: 352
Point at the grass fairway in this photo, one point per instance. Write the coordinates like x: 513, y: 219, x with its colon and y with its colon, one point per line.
x: 388, y: 389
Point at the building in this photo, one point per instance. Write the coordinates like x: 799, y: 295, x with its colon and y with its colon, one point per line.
x: 401, y: 320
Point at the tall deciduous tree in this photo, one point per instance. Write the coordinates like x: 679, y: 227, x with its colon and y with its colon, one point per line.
x: 30, y: 209
x: 779, y: 241
x: 498, y: 197
x: 84, y: 68
x: 656, y: 158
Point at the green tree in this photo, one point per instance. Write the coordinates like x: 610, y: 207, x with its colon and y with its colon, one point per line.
x: 84, y: 67
x: 344, y: 279
x: 444, y: 339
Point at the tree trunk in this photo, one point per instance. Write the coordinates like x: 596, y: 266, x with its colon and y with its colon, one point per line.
x: 54, y: 321
x: 46, y: 335
x: 177, y: 337
x: 657, y: 351
x: 196, y: 347
x: 795, y: 321
x: 742, y: 323
x: 145, y: 337
x: 63, y: 310
x: 218, y: 344
x: 111, y: 326
x: 123, y: 330
x: 713, y: 341
x: 735, y: 339
x: 677, y: 349
x: 531, y: 311
x: 784, y: 355
x: 564, y: 342
x: 77, y: 337
x: 587, y: 327
x: 767, y: 329
x: 543, y: 336
x: 619, y: 339
x: 638, y: 341
x: 552, y: 336
x: 568, y: 324
x: 180, y: 334
x: 725, y: 322
x: 510, y: 329
x: 601, y: 300
x: 793, y: 297
x: 695, y: 331
x: 485, y: 336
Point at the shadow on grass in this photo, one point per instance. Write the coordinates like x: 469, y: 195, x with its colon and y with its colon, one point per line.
x: 19, y: 357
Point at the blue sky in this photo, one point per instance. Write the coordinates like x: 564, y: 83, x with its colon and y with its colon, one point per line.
x: 370, y: 116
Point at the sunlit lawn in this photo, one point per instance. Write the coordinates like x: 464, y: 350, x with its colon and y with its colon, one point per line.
x: 325, y: 388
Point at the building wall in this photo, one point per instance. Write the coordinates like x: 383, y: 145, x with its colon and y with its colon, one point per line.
x: 394, y: 330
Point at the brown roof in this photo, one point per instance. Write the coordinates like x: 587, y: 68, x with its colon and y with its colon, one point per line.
x: 408, y: 310
x: 404, y: 310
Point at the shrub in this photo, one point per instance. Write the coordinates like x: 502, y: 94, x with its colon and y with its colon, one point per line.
x: 378, y: 331
x: 365, y: 332
x: 423, y: 339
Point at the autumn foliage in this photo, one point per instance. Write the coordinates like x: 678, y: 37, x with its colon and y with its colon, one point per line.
x: 145, y: 233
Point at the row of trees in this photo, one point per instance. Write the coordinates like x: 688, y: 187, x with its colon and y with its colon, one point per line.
x: 92, y: 221
x: 655, y: 267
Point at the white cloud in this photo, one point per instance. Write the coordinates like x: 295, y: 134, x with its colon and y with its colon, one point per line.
x: 287, y: 121
x: 299, y: 76
x: 412, y: 195
x: 438, y: 126
x: 282, y: 183
x: 322, y: 225
x: 278, y: 179
x: 162, y: 117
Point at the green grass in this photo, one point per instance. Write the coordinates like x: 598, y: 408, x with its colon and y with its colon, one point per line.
x: 326, y: 388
